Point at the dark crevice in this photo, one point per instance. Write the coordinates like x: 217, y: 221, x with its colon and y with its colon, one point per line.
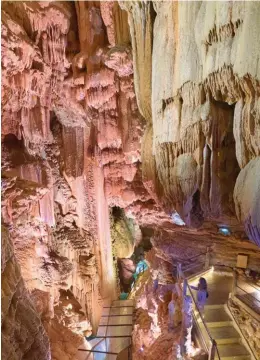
x: 166, y: 102
x: 92, y: 141
x: 10, y: 141
x: 196, y: 214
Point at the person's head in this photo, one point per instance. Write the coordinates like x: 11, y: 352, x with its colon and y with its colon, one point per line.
x: 202, y: 284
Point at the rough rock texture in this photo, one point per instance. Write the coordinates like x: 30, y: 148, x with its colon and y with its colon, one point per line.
x: 67, y: 153
x: 71, y: 147
x: 203, y: 127
x: 248, y: 324
x: 151, y: 336
x: 98, y: 112
x: 247, y: 199
x: 23, y: 336
x: 121, y: 234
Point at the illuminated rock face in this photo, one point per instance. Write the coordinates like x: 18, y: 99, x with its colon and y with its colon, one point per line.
x: 21, y: 324
x: 201, y: 104
x: 71, y: 134
x: 71, y: 147
x: 94, y: 117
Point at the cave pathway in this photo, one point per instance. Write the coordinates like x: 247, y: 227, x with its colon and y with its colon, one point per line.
x: 114, y: 336
x: 218, y: 318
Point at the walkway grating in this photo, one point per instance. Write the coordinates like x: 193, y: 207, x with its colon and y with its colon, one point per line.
x: 114, y: 333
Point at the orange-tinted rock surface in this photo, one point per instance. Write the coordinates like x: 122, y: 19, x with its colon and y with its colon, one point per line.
x: 71, y: 145
x: 132, y: 105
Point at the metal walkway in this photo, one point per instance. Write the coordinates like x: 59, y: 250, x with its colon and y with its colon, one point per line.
x: 114, y: 337
x: 218, y: 321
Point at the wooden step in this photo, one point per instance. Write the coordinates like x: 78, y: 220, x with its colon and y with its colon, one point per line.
x: 225, y: 335
x: 214, y: 306
x: 234, y: 351
x: 216, y: 317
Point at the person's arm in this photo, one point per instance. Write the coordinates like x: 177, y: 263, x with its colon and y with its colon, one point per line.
x: 194, y: 287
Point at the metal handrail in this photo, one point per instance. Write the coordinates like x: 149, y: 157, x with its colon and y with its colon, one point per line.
x: 250, y: 294
x: 240, y: 297
x: 213, y: 342
x: 197, y: 308
x: 192, y: 258
x: 191, y: 266
x: 249, y: 306
x: 198, y: 327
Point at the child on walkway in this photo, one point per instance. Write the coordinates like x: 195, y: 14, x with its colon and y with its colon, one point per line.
x: 202, y: 293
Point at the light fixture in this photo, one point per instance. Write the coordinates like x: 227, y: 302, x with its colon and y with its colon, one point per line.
x: 176, y: 219
x: 69, y: 307
x: 224, y: 230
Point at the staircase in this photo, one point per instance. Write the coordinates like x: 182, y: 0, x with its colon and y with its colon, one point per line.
x: 222, y: 330
x: 219, y: 322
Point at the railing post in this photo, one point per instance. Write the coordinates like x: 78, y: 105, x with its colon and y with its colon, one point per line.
x: 179, y: 271
x: 207, y: 259
x: 234, y: 285
x: 184, y: 287
x: 129, y: 353
x: 212, y: 350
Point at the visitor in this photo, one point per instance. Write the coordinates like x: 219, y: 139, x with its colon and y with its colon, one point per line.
x: 202, y: 293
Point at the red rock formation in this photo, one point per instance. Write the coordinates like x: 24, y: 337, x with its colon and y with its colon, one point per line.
x: 98, y: 113
x: 71, y: 134
x: 21, y: 323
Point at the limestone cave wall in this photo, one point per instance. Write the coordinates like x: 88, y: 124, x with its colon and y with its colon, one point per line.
x: 197, y: 85
x: 150, y: 107
x: 71, y: 134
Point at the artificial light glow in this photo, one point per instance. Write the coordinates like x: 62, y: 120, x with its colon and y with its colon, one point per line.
x: 224, y: 230
x: 69, y: 307
x: 176, y: 219
x: 194, y: 351
x: 141, y: 267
